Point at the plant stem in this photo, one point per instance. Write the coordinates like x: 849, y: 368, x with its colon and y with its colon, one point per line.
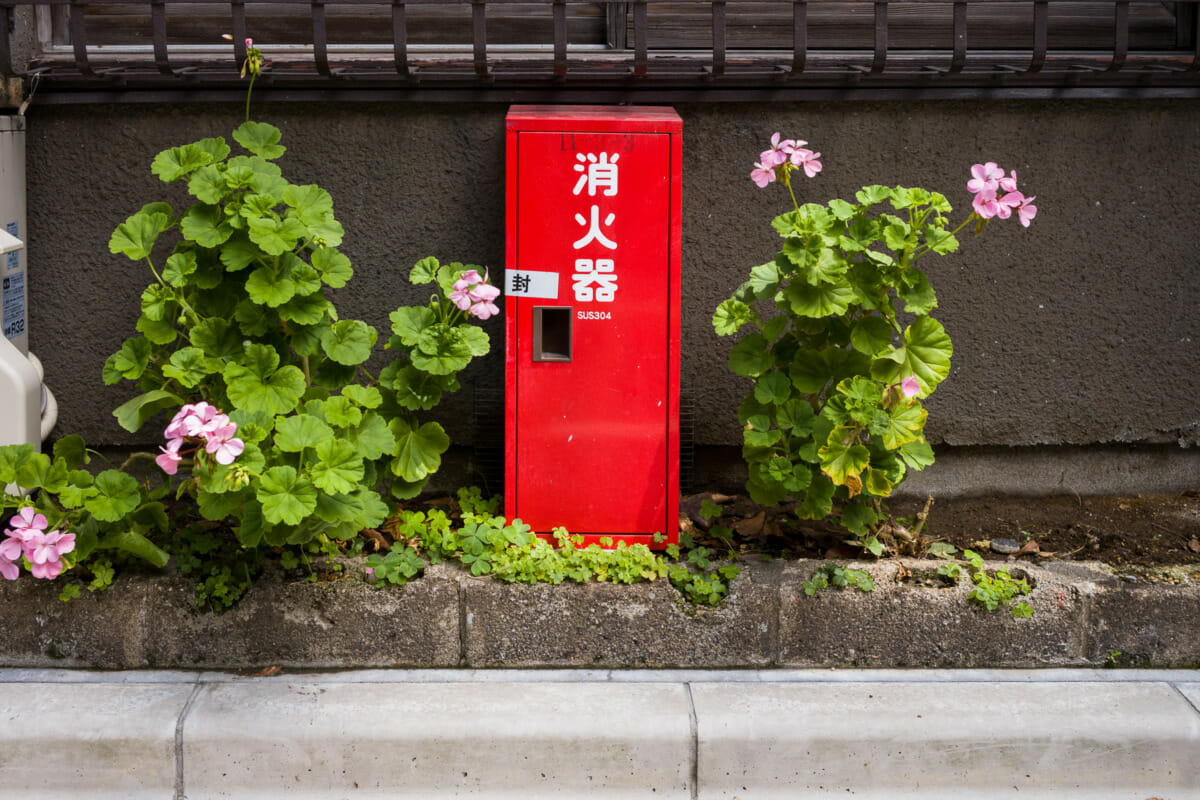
x: 929, y: 247
x: 307, y: 374
x: 249, y: 89
x: 140, y: 455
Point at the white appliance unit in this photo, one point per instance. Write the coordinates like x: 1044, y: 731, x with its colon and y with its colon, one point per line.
x: 27, y: 410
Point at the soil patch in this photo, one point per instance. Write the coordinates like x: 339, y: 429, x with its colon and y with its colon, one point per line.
x: 1141, y: 530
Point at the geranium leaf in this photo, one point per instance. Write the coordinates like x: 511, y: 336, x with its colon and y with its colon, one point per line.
x: 135, y: 236
x: 217, y: 338
x: 338, y: 468
x: 179, y: 266
x: 843, y: 457
x: 751, y: 356
x: 128, y: 363
x: 828, y: 299
x: 177, y: 162
x: 306, y: 309
x: 334, y: 267
x: 925, y: 356
x: 441, y: 350
x: 295, y: 433
x: 239, y: 252
x: 205, y: 225
x: 207, y: 184
x: 418, y: 450
x: 116, y: 494
x: 730, y: 316
x: 189, y: 366
x: 424, y: 270
x: 260, y: 139
x: 269, y: 287
x: 409, y: 322
x: 416, y: 390
x: 285, y: 496
x: 774, y: 388
x: 341, y: 412
x: 276, y: 236
x: 365, y: 396
x: 349, y: 341
x: 372, y: 437
x: 870, y: 335
x: 256, y: 384
x: 133, y: 414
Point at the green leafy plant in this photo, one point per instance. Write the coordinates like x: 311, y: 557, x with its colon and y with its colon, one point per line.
x: 436, y: 344
x: 839, y: 577
x: 238, y: 319
x: 694, y: 574
x: 846, y: 348
x: 72, y: 519
x: 997, y: 588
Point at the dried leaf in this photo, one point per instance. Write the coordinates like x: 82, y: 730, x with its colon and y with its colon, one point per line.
x: 267, y: 672
x: 751, y: 527
x: 1194, y: 545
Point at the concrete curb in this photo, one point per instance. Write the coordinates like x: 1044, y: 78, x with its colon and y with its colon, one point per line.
x: 587, y: 733
x: 1084, y: 615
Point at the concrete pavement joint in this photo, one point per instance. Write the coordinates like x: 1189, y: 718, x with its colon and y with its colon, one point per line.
x: 1186, y: 699
x: 180, y: 792
x: 452, y: 675
x: 694, y: 773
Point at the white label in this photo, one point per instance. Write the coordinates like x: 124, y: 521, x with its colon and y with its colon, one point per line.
x: 14, y: 258
x: 12, y: 302
x: 531, y: 283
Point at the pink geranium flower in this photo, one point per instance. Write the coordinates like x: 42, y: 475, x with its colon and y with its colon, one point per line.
x: 44, y: 547
x: 1027, y: 211
x: 762, y: 174
x: 1006, y: 204
x: 169, y: 459
x: 808, y: 160
x: 26, y: 523
x: 909, y: 387
x: 985, y: 204
x: 1009, y: 184
x: 47, y: 571
x: 484, y: 310
x: 484, y: 293
x: 10, y: 556
x: 223, y: 445
x: 985, y: 177
x: 460, y: 293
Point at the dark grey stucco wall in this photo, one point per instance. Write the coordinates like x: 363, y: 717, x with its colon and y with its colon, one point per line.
x: 1083, y: 329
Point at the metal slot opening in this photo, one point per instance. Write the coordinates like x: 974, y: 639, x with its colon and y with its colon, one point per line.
x: 551, y: 333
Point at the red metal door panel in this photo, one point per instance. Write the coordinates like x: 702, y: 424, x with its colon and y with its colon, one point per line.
x: 592, y: 432
x: 592, y: 320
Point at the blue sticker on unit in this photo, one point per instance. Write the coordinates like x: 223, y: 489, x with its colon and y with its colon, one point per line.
x: 12, y: 303
x: 14, y: 258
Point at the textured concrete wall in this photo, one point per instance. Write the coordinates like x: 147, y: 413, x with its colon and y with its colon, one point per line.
x: 1083, y: 329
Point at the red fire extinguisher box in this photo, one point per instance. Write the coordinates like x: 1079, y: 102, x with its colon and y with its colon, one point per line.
x: 592, y: 321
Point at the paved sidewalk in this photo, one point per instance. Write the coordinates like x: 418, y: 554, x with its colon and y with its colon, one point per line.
x: 594, y: 733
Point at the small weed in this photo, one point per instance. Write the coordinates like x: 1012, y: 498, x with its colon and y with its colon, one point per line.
x: 840, y: 577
